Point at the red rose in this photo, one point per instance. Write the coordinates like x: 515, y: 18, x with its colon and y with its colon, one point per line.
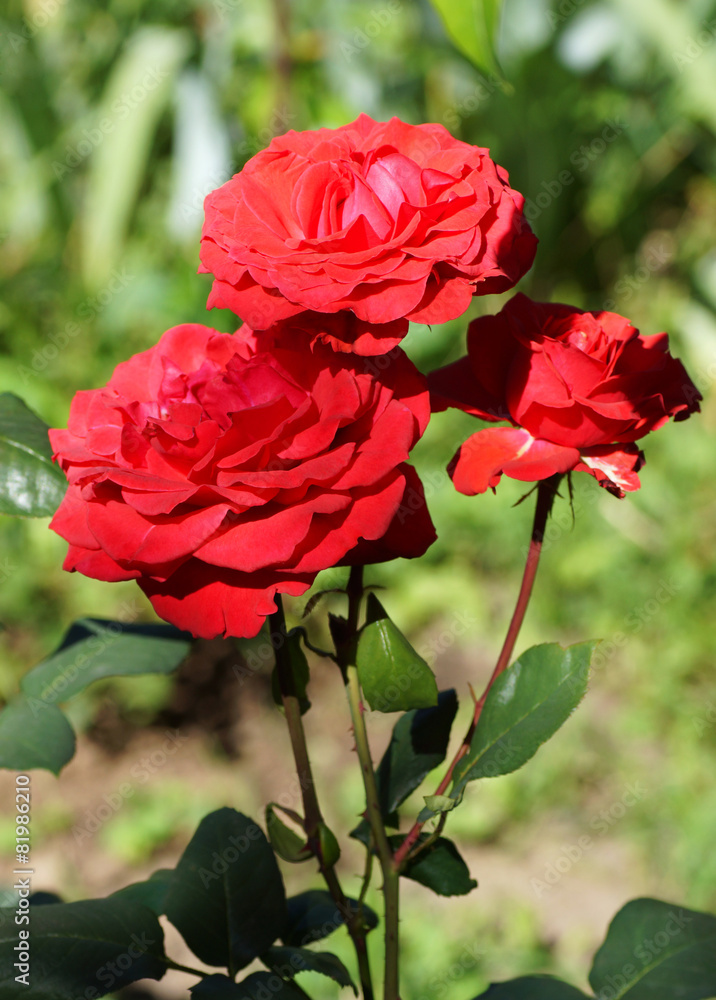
x: 393, y: 222
x: 217, y: 473
x: 579, y: 389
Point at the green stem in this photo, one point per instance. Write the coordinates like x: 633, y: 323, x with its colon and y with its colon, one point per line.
x: 312, y: 811
x: 391, y: 896
x: 373, y: 814
x: 546, y: 492
x: 356, y: 929
x: 380, y: 838
x: 292, y: 711
x: 354, y: 589
x: 367, y: 872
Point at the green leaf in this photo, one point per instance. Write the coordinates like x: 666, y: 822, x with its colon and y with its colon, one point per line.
x: 440, y: 868
x: 44, y: 898
x: 418, y: 745
x: 329, y: 846
x: 299, y: 669
x: 341, y: 633
x: 657, y: 951
x: 151, y: 893
x: 392, y: 675
x: 287, y: 844
x: 258, y: 986
x: 472, y: 26
x: 33, y: 734
x: 217, y: 987
x: 226, y: 895
x: 440, y: 803
x: 94, y: 649
x: 313, y: 915
x: 362, y: 831
x: 33, y: 731
x: 96, y: 944
x: 526, y: 705
x: 289, y: 962
x: 31, y: 485
x: 138, y: 90
x: 532, y: 988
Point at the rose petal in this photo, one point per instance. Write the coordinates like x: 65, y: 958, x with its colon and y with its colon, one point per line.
x: 614, y: 468
x: 480, y: 462
x: 209, y: 602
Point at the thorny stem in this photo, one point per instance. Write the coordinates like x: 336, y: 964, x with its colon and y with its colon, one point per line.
x: 373, y: 813
x: 367, y: 872
x: 380, y: 838
x: 546, y: 492
x: 292, y: 710
x: 311, y: 808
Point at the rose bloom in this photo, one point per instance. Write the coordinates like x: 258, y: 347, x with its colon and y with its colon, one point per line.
x: 393, y: 222
x: 218, y: 473
x: 578, y: 388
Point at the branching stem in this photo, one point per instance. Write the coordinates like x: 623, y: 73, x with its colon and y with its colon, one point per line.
x: 391, y: 876
x: 546, y: 492
x: 312, y: 811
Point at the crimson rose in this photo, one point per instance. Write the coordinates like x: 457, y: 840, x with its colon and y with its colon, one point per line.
x: 578, y: 388
x: 393, y: 222
x: 217, y: 472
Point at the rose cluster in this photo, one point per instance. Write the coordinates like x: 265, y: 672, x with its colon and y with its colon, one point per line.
x: 219, y: 470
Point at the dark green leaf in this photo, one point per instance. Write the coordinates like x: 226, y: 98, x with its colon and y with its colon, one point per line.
x: 226, y: 895
x: 472, y: 26
x: 44, y: 898
x: 287, y: 844
x: 298, y: 664
x: 94, y: 649
x: 440, y: 868
x: 533, y: 988
x: 30, y: 483
x: 97, y: 944
x: 313, y: 915
x: 392, y: 675
x: 217, y: 987
x: 33, y: 734
x: 526, y: 705
x: 288, y: 962
x: 151, y: 893
x: 340, y: 631
x: 657, y: 951
x: 362, y: 831
x: 258, y: 986
x: 418, y: 745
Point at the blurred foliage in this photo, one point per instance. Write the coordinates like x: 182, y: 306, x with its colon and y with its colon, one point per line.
x: 117, y: 118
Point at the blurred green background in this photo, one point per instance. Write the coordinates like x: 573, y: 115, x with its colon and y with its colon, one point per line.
x: 117, y: 118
